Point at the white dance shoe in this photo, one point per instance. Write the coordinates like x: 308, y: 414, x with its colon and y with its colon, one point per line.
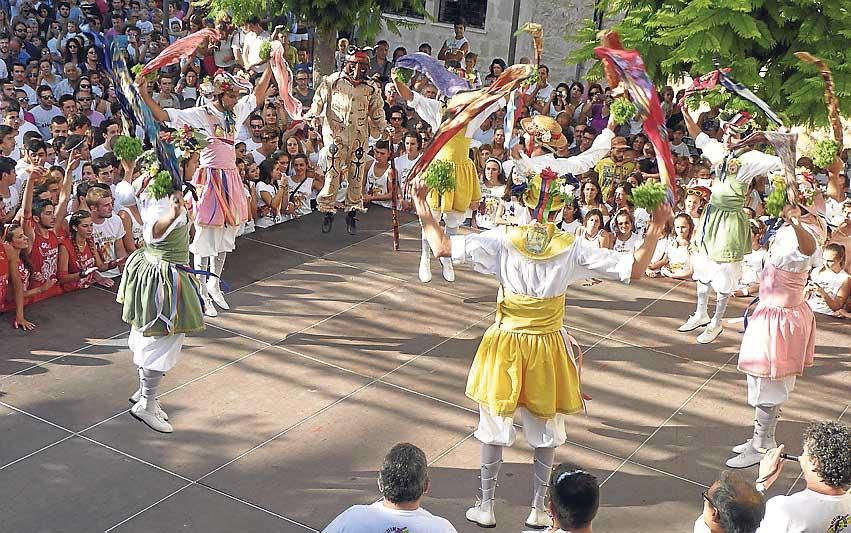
x: 425, y: 268
x: 138, y: 396
x: 709, y: 334
x: 538, y: 519
x: 694, y: 321
x: 216, y: 294
x: 151, y: 417
x: 448, y: 269
x: 481, y: 517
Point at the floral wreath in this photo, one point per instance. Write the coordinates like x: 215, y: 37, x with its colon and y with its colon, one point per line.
x: 185, y: 140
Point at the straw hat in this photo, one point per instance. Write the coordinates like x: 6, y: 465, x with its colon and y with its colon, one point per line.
x: 545, y: 131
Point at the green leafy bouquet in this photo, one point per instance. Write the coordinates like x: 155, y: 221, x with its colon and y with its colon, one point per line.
x: 824, y: 153
x: 622, y: 110
x: 127, y: 148
x: 649, y: 195
x: 440, y: 176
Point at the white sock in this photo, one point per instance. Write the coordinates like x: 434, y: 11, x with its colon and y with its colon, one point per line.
x: 720, y: 308
x: 702, y: 300
x: 202, y: 264
x: 491, y: 460
x: 150, y: 382
x: 542, y: 466
x: 764, y: 426
x: 426, y: 248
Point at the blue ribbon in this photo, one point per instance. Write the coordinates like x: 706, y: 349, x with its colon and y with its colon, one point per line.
x: 747, y: 312
x: 206, y: 274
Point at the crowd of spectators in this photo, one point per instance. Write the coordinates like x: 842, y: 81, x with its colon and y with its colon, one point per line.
x: 57, y: 103
x: 734, y: 503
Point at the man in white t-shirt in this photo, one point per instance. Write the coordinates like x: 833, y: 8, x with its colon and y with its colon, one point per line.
x: 539, y: 96
x: 108, y: 230
x: 251, y: 45
x: 825, y: 504
x: 403, y: 481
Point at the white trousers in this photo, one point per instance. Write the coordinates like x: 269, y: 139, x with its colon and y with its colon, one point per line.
x: 155, y: 353
x: 539, y: 432
x: 765, y: 391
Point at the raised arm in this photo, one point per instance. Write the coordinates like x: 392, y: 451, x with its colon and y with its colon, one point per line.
x: 158, y: 112
x: 691, y: 125
x: 65, y: 191
x: 262, y: 86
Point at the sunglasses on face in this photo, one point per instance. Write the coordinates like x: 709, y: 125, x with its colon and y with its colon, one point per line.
x: 395, y: 118
x: 84, y: 99
x: 47, y: 97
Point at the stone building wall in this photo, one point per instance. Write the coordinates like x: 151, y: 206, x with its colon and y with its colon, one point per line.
x: 559, y: 18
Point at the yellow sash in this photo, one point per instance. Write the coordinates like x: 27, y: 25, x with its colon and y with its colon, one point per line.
x: 526, y: 314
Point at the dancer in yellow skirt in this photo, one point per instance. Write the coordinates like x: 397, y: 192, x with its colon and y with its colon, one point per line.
x: 527, y: 362
x: 454, y: 205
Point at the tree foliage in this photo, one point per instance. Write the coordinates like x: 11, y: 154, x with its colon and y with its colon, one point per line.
x: 756, y: 38
x: 366, y: 15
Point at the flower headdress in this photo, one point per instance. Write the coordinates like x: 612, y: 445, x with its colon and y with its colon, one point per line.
x: 545, y: 192
x: 544, y: 131
x: 224, y: 82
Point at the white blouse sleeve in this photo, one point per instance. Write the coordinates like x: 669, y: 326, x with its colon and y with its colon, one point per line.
x: 482, y: 251
x: 756, y: 163
x: 177, y: 118
x: 427, y: 109
x: 151, y: 211
x: 712, y: 149
x: 577, y: 164
x: 591, y: 262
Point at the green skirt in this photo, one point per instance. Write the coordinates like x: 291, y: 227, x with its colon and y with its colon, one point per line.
x: 158, y: 298
x: 723, y: 234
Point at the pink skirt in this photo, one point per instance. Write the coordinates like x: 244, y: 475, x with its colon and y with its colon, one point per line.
x: 222, y: 202
x: 779, y: 341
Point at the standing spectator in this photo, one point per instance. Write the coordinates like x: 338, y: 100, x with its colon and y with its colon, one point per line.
x: 540, y: 95
x: 614, y: 168
x: 165, y: 96
x: 251, y: 45
x: 340, y: 54
x: 45, y: 111
x: 19, y: 78
x: 71, y: 82
x: 403, y: 481
x: 302, y: 92
x: 825, y: 505
x: 456, y: 48
x: 379, y: 65
x: 731, y: 505
x: 425, y: 48
x: 496, y: 69
x: 678, y: 147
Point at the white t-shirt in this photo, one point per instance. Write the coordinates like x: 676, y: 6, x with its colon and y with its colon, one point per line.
x: 680, y: 149
x: 378, y: 518
x: 377, y: 185
x: 629, y: 245
x: 403, y: 168
x: 300, y: 193
x: 105, y: 235
x: 570, y: 227
x: 43, y: 117
x: 807, y: 512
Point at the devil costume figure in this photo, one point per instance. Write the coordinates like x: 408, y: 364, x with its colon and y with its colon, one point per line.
x: 352, y: 111
x: 526, y: 362
x: 222, y: 208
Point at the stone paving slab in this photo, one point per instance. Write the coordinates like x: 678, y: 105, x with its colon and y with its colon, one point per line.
x: 334, y: 351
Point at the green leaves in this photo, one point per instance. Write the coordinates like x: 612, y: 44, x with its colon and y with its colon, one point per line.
x: 649, y: 195
x: 756, y: 38
x: 127, y: 148
x: 622, y: 110
x: 440, y: 176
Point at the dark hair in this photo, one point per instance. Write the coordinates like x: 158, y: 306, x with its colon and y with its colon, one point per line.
x: 838, y: 248
x: 266, y: 168
x: 78, y: 120
x: 65, y: 98
x: 5, y: 130
x: 404, y: 474
x: 414, y: 135
x: 34, y: 145
x: 382, y: 145
x: 829, y: 445
x: 100, y: 163
x: 576, y: 84
x: 739, y: 505
x: 12, y: 105
x: 73, y: 140
x: 498, y: 61
x: 688, y: 219
x: 299, y: 156
x: 425, y: 45
x: 574, y: 496
x: 39, y: 206
x: 7, y: 164
x: 82, y: 189
x: 595, y: 213
x: 7, y: 236
x: 577, y: 211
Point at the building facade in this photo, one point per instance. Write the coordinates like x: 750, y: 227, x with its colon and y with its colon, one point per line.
x: 489, y: 30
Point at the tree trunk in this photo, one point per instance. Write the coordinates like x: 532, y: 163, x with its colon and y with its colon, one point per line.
x: 323, y: 58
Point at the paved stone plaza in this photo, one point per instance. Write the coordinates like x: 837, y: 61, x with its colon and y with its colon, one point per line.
x: 333, y: 352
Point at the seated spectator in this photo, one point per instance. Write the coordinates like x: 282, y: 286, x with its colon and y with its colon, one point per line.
x: 591, y: 198
x: 678, y: 147
x: 829, y: 284
x: 621, y: 202
x: 825, y: 504
x: 753, y: 262
x: 571, y: 217
x: 574, y: 498
x: 494, y: 184
x: 403, y: 481
x: 107, y: 230
x: 593, y: 230
x: 676, y: 261
x: 15, y: 274
x: 301, y: 187
x: 377, y: 180
x: 271, y: 189
x: 625, y: 240
x: 79, y: 259
x: 731, y: 505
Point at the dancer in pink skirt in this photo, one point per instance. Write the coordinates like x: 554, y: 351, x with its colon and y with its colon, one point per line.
x: 222, y: 208
x: 779, y: 341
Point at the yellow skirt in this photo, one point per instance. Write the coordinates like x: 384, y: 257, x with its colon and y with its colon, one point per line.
x: 523, y: 360
x: 467, y: 188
